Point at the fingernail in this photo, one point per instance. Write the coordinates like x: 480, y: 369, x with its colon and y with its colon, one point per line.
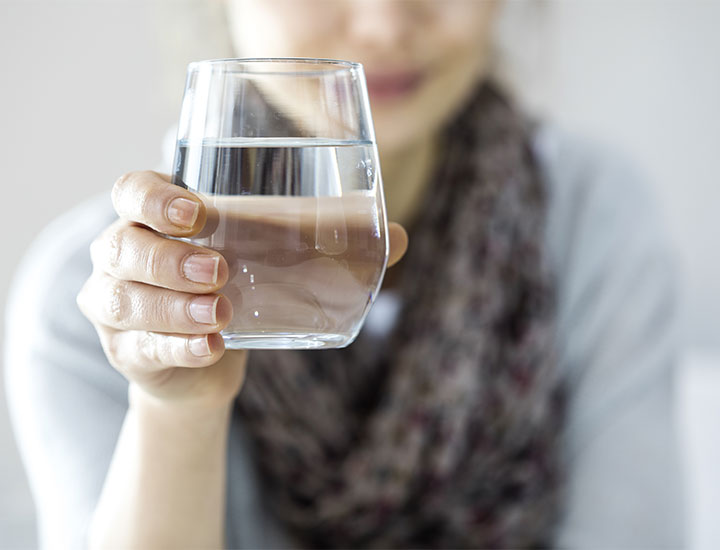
x: 183, y: 212
x: 201, y: 268
x: 203, y: 309
x: 199, y: 347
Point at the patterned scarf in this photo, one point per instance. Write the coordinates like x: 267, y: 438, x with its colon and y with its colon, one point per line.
x: 445, y: 435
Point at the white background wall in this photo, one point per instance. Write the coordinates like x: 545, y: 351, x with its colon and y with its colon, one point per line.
x: 644, y: 75
x: 87, y: 89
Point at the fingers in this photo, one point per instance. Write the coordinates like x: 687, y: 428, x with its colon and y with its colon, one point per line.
x: 142, y: 351
x: 150, y: 199
x: 134, y: 253
x: 129, y: 305
x: 398, y: 238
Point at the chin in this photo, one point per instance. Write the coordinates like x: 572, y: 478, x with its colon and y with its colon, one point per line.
x: 404, y: 120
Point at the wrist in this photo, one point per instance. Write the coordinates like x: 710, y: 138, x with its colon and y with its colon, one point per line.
x: 187, y: 414
x: 192, y: 393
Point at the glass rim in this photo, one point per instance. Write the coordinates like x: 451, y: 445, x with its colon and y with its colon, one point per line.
x: 333, y: 65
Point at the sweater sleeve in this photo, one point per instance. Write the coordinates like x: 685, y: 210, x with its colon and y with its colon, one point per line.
x: 66, y: 402
x: 618, y: 345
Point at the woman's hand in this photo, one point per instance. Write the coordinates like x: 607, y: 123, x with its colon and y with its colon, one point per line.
x: 154, y: 301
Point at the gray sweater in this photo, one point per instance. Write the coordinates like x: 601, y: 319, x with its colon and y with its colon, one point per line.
x: 617, y: 341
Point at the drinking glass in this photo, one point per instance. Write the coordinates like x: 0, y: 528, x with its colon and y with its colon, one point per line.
x: 283, y: 154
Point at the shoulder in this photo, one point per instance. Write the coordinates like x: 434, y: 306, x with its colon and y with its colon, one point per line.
x: 610, y: 256
x: 601, y: 205
x: 617, y: 346
x: 58, y: 257
x: 43, y: 324
x: 65, y: 400
x: 61, y: 248
x: 61, y: 241
x: 573, y: 164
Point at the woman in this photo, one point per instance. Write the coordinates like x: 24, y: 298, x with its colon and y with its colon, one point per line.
x: 512, y: 386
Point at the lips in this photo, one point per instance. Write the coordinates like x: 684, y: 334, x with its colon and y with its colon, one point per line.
x: 392, y: 85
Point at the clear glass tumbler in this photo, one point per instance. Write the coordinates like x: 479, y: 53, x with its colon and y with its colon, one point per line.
x: 282, y: 152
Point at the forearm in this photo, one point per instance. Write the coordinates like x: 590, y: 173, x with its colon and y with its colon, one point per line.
x: 166, y: 484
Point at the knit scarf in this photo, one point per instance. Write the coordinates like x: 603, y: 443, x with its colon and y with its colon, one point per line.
x: 444, y: 436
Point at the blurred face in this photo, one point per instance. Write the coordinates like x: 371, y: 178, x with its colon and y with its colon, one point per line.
x: 422, y: 57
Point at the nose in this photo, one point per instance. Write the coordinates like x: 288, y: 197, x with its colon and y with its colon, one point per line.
x: 380, y: 25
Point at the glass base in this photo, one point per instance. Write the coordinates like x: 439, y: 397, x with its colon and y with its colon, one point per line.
x: 285, y: 340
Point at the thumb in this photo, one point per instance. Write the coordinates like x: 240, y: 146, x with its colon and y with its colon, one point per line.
x: 398, y: 238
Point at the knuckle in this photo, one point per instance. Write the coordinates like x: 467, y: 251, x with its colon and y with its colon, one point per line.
x: 118, y: 303
x: 129, y: 180
x: 115, y: 243
x: 121, y: 186
x: 148, y: 345
x: 111, y: 348
x: 95, y: 250
x: 153, y: 261
x: 124, y: 250
x: 163, y: 350
x: 110, y: 344
x: 129, y: 189
x: 144, y: 202
x: 84, y: 298
x: 166, y: 305
x: 106, y: 248
x: 159, y: 310
x: 80, y: 300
